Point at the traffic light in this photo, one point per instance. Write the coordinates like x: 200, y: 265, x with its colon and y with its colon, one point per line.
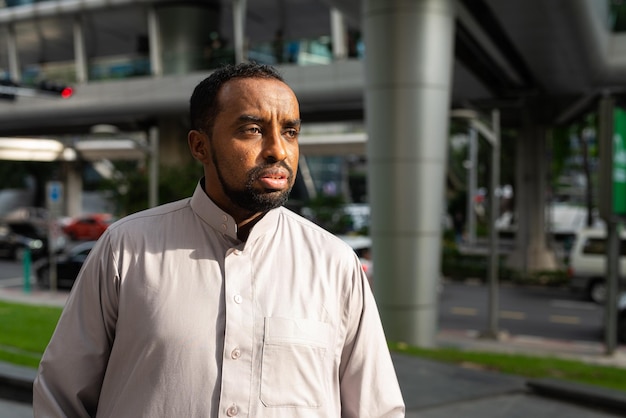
x: 52, y: 88
x: 7, y: 89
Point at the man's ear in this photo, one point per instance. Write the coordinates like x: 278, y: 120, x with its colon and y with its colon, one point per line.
x: 199, y: 146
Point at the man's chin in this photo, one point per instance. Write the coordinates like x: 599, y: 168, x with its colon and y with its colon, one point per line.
x: 273, y: 199
x: 262, y: 201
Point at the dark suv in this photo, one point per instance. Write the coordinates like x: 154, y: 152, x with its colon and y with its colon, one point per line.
x: 14, y: 245
x: 27, y: 229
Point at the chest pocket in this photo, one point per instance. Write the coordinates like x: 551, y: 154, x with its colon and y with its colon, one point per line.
x: 294, y: 372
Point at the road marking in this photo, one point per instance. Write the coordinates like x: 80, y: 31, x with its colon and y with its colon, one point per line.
x: 516, y: 315
x: 513, y: 315
x: 456, y: 310
x: 570, y: 304
x: 565, y: 319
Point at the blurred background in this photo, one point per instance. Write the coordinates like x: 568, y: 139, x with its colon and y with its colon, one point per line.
x: 403, y: 103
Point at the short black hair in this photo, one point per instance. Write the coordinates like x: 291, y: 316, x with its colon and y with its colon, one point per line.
x: 203, y: 105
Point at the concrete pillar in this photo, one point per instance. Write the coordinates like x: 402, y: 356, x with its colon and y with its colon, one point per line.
x: 154, y: 39
x: 153, y: 181
x: 172, y: 141
x: 12, y: 55
x: 472, y: 186
x: 73, y: 188
x: 339, y: 34
x: 531, y: 252
x: 80, y: 54
x: 185, y: 34
x: 408, y: 66
x: 239, y: 29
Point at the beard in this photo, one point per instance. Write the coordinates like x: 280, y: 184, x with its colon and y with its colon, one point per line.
x: 251, y: 199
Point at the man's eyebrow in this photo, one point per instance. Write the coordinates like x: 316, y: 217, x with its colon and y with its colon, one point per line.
x: 257, y: 119
x: 249, y: 118
x: 293, y: 122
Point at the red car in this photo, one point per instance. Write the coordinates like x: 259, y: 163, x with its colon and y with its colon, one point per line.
x: 88, y: 227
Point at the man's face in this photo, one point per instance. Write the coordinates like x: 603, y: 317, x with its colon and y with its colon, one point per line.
x: 252, y: 153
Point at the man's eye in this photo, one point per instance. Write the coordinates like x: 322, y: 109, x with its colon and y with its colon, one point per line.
x: 291, y: 133
x: 251, y: 130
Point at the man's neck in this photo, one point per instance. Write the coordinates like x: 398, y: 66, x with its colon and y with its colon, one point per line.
x: 244, y: 227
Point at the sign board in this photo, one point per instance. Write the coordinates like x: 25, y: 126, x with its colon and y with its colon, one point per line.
x: 54, y: 198
x: 612, y: 162
x: 619, y: 162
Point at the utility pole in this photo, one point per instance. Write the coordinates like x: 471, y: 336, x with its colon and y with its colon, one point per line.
x: 492, y: 135
x: 612, y: 203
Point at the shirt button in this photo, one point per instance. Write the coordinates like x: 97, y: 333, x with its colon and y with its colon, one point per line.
x: 225, y: 218
x: 238, y: 299
x: 232, y: 411
x: 235, y: 354
x: 224, y: 227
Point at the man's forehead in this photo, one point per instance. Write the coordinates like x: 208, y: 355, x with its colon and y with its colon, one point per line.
x: 255, y: 93
x: 253, y: 83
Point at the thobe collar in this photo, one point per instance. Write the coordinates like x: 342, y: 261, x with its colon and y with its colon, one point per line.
x: 221, y: 221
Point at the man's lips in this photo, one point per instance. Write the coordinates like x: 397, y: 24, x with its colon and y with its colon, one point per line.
x: 275, y: 179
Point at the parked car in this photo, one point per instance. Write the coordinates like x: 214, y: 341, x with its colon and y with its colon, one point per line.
x: 29, y: 228
x: 68, y: 265
x: 31, y: 214
x: 362, y: 246
x: 88, y: 227
x: 14, y: 246
x: 587, y: 263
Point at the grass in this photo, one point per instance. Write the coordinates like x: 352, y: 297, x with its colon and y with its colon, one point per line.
x: 26, y: 329
x: 524, y: 365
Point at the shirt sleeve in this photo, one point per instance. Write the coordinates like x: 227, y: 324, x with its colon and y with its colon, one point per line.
x: 369, y: 385
x: 72, y: 368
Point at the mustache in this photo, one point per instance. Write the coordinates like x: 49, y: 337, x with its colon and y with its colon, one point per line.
x: 257, y: 171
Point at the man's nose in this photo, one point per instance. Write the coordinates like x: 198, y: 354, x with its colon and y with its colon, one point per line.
x: 274, y: 147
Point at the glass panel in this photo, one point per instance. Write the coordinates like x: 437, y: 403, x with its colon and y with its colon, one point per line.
x: 595, y: 246
x: 617, y: 15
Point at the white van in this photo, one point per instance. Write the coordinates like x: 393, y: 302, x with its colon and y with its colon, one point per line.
x: 587, y: 263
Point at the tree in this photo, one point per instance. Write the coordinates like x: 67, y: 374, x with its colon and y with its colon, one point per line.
x: 574, y: 148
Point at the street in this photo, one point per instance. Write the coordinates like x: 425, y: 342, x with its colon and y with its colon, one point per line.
x: 10, y: 270
x: 534, y: 311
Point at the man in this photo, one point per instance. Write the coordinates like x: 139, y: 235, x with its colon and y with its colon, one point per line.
x: 226, y: 303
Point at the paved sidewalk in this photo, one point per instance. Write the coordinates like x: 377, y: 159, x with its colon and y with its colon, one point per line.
x: 431, y: 389
x: 34, y: 296
x: 588, y: 352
